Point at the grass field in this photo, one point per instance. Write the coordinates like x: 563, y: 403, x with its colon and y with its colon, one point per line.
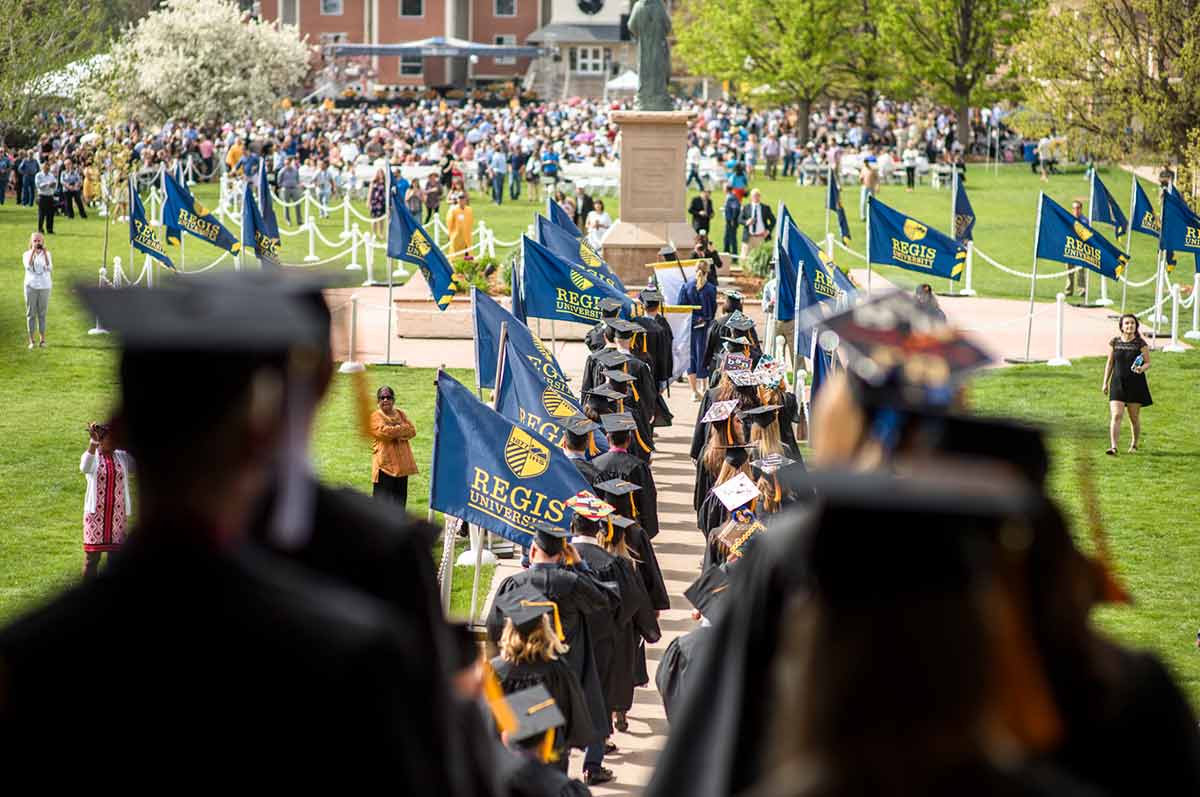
x: 49, y: 396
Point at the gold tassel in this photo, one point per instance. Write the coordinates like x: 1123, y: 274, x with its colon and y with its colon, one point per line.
x: 558, y: 629
x: 641, y: 442
x: 729, y: 430
x: 632, y: 508
x: 547, y: 753
x: 610, y: 531
x: 592, y: 449
x: 635, y: 393
x: 506, y: 721
x: 1112, y: 590
x: 362, y: 403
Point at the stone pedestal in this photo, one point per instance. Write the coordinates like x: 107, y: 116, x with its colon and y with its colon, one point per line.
x: 653, y: 213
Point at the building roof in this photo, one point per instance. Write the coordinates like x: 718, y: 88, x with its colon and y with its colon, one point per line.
x: 559, y: 32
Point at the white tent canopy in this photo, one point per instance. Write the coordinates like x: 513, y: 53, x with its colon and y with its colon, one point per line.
x: 626, y: 81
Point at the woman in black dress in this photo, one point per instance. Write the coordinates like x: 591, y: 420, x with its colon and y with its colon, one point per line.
x: 1125, y: 381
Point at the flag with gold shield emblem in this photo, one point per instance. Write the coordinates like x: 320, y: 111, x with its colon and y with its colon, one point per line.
x: 1063, y: 238
x: 408, y: 241
x: 900, y: 240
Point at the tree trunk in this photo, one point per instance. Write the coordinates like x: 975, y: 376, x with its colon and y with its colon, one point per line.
x: 964, y: 125
x: 805, y: 114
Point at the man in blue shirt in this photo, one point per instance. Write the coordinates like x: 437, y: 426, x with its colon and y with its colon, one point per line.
x: 550, y: 166
x: 27, y: 169
x: 732, y: 210
x: 498, y: 165
x: 6, y: 165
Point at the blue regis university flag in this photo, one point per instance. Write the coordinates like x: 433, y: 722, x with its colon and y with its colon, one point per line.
x: 558, y: 289
x: 821, y: 287
x: 255, y: 236
x: 141, y: 234
x: 1104, y: 208
x: 560, y: 217
x: 964, y: 214
x: 899, y: 240
x: 786, y: 267
x: 488, y: 317
x: 834, y: 202
x: 577, y: 250
x: 1180, y: 226
x: 494, y: 473
x: 181, y: 211
x: 526, y: 397
x: 408, y: 241
x: 1066, y: 239
x: 1145, y: 220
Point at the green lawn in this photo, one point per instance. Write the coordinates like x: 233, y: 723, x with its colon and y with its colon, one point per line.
x: 49, y: 395
x: 1147, y: 500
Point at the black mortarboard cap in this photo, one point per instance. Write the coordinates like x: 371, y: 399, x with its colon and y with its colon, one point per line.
x: 763, y: 416
x: 618, y: 422
x: 737, y: 340
x: 549, y: 537
x: 622, y: 327
x: 617, y: 487
x: 579, y: 425
x: 525, y: 606
x: 464, y: 649
x: 536, y: 713
x: 735, y: 295
x: 609, y: 305
x: 738, y: 320
x: 707, y: 591
x: 619, y: 376
x: 611, y: 358
x: 668, y: 253
x: 605, y: 392
x: 651, y: 296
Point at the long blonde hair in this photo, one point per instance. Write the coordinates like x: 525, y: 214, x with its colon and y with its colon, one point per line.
x: 767, y: 438
x: 701, y: 275
x: 540, y: 644
x: 618, y: 548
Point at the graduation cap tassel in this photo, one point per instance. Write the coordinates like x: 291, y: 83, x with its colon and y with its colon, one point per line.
x: 558, y: 629
x: 610, y: 531
x: 505, y: 719
x: 635, y: 393
x: 592, y: 449
x: 1112, y: 590
x: 641, y: 442
x: 362, y: 403
x: 546, y: 753
x: 729, y: 431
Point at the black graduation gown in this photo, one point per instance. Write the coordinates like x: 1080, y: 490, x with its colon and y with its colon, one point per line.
x: 594, y: 339
x: 637, y: 622
x: 587, y: 470
x: 648, y: 569
x: 671, y: 677
x: 789, y: 416
x: 603, y: 625
x: 613, y: 464
x: 524, y: 776
x: 712, y: 516
x: 660, y: 340
x: 715, y: 345
x: 578, y: 594
x: 563, y: 685
x: 233, y: 648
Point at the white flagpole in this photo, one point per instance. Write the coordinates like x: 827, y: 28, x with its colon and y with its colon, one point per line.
x: 1037, y: 232
x: 1128, y: 241
x: 1087, y: 282
x: 828, y: 197
x: 870, y: 199
x: 953, y: 219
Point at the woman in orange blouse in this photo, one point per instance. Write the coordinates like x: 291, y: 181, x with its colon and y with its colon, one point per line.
x: 391, y: 456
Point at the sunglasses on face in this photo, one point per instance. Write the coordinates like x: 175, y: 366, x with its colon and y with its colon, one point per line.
x: 387, y: 397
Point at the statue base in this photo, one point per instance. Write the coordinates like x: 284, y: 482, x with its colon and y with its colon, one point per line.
x: 653, y: 212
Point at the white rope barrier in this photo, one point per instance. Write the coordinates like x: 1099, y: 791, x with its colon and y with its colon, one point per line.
x: 1023, y: 274
x: 1141, y: 284
x: 1175, y: 345
x: 859, y: 255
x: 211, y: 265
x: 324, y: 240
x: 104, y: 283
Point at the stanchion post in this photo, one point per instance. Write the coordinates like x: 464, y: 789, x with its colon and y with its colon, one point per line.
x: 346, y: 216
x: 1104, y: 301
x: 98, y: 329
x: 1060, y: 303
x: 352, y: 366
x: 1194, y: 332
x: 829, y: 244
x: 355, y: 240
x: 968, y: 290
x: 311, y: 257
x: 369, y: 256
x: 1174, y: 345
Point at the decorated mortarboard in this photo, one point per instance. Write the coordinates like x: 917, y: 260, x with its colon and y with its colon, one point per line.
x: 763, y: 416
x: 735, y: 295
x: 742, y: 525
x: 536, y: 713
x: 738, y: 320
x: 525, y: 606
x: 589, y: 506
x: 622, y: 327
x: 605, y: 392
x: 549, y: 537
x: 705, y: 592
x: 611, y: 358
x: 619, y: 377
x: 735, y: 361
x: 651, y: 296
x: 894, y: 342
x: 579, y: 425
x: 618, y: 422
x: 769, y: 371
x: 743, y: 378
x: 739, y: 340
x: 617, y: 487
x: 719, y: 411
x: 737, y: 492
x: 608, y: 305
x: 772, y: 463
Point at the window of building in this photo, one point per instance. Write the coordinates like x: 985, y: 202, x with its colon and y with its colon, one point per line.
x: 587, y: 60
x: 507, y: 40
x: 412, y: 65
x: 288, y: 12
x: 412, y: 8
x: 333, y: 38
x: 505, y: 8
x: 331, y: 8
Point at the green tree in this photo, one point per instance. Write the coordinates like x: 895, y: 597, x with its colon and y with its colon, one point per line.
x: 784, y: 51
x: 866, y: 68
x: 1118, y: 78
x: 37, y: 39
x: 951, y: 49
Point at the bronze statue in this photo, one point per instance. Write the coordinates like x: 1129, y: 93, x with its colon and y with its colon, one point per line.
x: 650, y: 24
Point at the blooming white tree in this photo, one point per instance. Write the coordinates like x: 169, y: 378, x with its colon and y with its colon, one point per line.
x: 198, y: 59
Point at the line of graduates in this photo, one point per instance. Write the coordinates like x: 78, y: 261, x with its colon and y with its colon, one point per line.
x: 259, y: 625
x: 919, y: 624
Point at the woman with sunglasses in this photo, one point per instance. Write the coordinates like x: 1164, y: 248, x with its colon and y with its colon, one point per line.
x: 107, y: 504
x: 391, y: 456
